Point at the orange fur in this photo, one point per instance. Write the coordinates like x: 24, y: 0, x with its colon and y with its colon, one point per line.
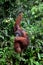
x: 21, y: 40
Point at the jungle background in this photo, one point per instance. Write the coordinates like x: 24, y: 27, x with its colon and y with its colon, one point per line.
x: 32, y: 22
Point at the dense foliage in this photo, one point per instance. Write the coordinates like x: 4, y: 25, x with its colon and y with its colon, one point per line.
x: 32, y: 22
